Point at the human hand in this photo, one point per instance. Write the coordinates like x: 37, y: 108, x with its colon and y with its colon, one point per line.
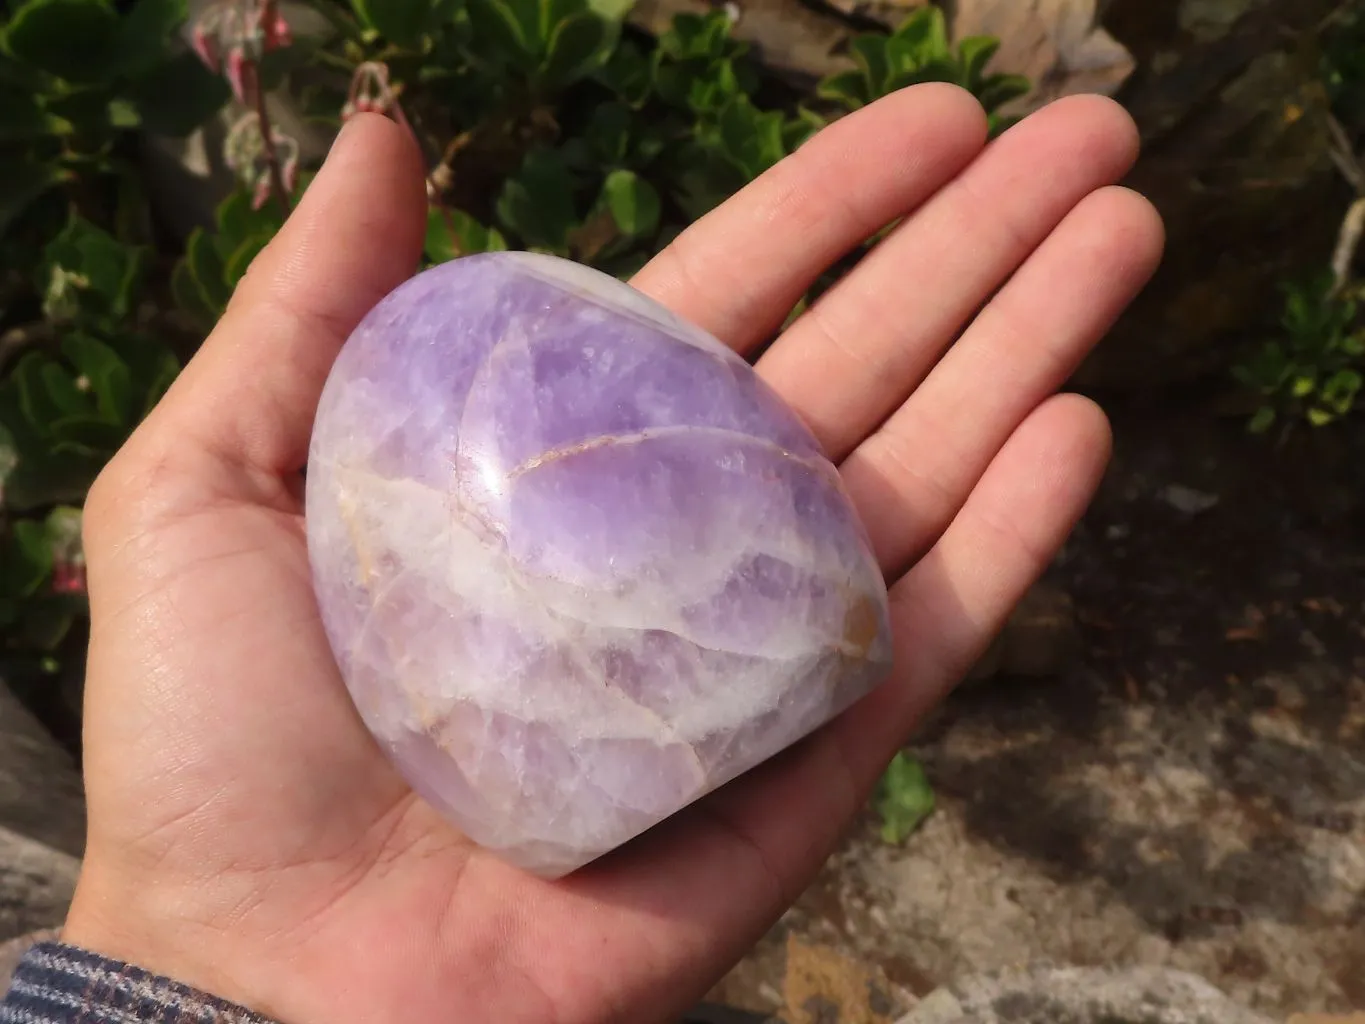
x: 248, y: 837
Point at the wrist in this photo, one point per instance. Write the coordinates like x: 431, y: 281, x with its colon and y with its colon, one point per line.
x: 56, y: 982
x: 149, y: 932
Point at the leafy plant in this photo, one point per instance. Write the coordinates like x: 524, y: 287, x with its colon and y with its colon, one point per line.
x: 903, y: 799
x: 1343, y: 67
x: 545, y: 124
x: 1312, y: 370
x: 41, y: 581
x: 75, y: 75
x: 86, y: 377
x: 68, y: 404
x: 213, y: 262
x: 919, y: 51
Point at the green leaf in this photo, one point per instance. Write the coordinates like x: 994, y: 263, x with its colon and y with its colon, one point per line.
x: 848, y: 88
x: 123, y: 114
x: 145, y: 31
x: 76, y: 40
x: 108, y: 375
x: 799, y: 129
x: 453, y: 233
x: 26, y: 559
x: 929, y: 71
x: 973, y: 54
x: 239, y: 259
x: 206, y: 267
x: 403, y: 22
x: 998, y: 90
x: 1262, y: 421
x: 538, y: 204
x: 22, y: 181
x: 608, y: 133
x: 112, y: 270
x: 904, y: 798
x: 189, y: 297
x: 869, y: 52
x: 1319, y: 417
x: 1340, y: 391
x: 22, y: 117
x: 91, y: 435
x: 37, y: 406
x: 158, y: 382
x: 499, y: 31
x: 236, y: 219
x: 920, y: 39
x: 63, y: 391
x: 629, y: 74
x: 178, y: 95
x: 633, y: 203
x: 612, y: 10
x: 579, y: 45
x: 1303, y: 385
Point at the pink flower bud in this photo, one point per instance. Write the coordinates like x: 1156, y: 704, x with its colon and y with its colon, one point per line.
x: 236, y: 73
x: 262, y: 194
x: 206, y: 46
x: 290, y: 173
x: 68, y: 577
x: 277, y: 32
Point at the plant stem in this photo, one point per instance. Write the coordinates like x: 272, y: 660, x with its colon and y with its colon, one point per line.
x: 256, y: 92
x: 434, y: 188
x: 1348, y: 241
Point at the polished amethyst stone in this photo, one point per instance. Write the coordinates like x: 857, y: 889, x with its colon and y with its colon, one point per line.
x: 577, y: 563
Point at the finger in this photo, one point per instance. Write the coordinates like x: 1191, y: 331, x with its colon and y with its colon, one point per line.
x: 250, y: 393
x: 739, y: 270
x: 951, y: 605
x: 856, y: 354
x: 911, y: 476
x: 681, y: 903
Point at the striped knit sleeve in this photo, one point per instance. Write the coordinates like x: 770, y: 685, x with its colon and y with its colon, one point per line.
x: 59, y: 984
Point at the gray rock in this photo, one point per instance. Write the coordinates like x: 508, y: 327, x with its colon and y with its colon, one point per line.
x: 1081, y: 995
x: 36, y: 884
x: 41, y: 795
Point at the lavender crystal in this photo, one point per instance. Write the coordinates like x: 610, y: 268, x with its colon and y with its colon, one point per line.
x: 577, y: 563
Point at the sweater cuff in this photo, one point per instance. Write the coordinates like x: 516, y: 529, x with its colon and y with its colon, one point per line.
x: 60, y: 984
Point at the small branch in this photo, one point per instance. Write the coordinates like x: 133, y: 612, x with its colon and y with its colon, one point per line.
x: 1348, y: 243
x: 1343, y: 155
x: 257, y: 93
x: 375, y: 75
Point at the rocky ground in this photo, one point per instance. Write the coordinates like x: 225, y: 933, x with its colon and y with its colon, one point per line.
x: 1188, y: 793
x: 1175, y: 818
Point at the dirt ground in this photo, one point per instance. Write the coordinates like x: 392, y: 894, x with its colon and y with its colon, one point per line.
x: 1190, y: 792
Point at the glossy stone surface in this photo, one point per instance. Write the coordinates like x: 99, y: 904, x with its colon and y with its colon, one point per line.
x: 578, y: 564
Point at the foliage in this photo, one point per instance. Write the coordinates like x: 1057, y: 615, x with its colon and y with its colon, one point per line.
x: 548, y: 125
x: 1343, y: 67
x: 553, y: 128
x: 919, y: 51
x: 1313, y: 370
x: 39, y: 580
x: 76, y: 76
x: 903, y: 799
x: 68, y: 402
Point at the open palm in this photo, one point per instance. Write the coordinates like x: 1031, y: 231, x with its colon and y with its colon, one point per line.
x: 246, y: 834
